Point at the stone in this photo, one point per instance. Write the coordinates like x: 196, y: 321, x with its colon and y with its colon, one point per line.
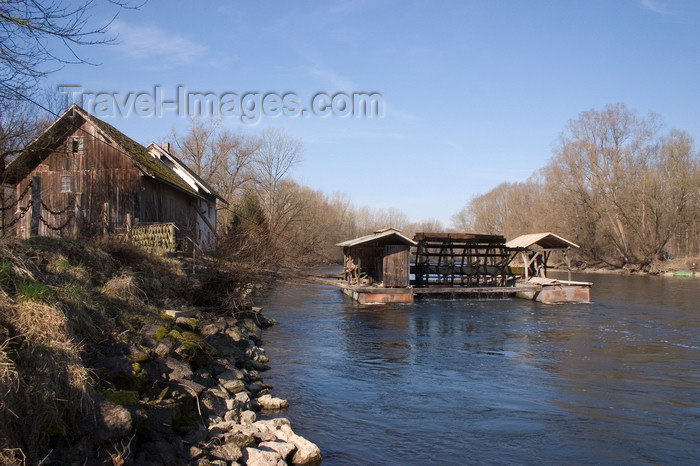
x: 240, y: 438
x: 160, y: 422
x: 182, y: 312
x: 237, y: 337
x: 254, y: 331
x: 192, y: 387
x: 111, y: 421
x: 307, y: 452
x: 227, y: 452
x: 243, y: 398
x: 212, y: 402
x: 231, y: 381
x: 195, y: 453
x: 233, y: 386
x: 196, y: 436
x: 232, y: 415
x: 225, y: 346
x: 164, y: 347
x: 283, y: 449
x: 254, y: 388
x: 211, y: 329
x: 178, y: 369
x: 248, y: 417
x: 255, y: 457
x: 268, y: 402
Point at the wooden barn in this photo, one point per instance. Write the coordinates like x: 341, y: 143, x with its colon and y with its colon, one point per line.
x: 83, y: 177
x: 379, y: 259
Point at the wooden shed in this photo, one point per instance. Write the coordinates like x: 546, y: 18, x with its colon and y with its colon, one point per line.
x: 379, y: 259
x: 82, y: 176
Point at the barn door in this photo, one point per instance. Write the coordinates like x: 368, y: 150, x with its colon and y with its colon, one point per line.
x: 395, y: 266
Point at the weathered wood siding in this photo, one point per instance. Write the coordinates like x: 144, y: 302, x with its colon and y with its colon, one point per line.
x: 162, y: 203
x: 396, y: 265
x: 87, y: 171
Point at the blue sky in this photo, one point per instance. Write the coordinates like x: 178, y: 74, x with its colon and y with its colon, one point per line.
x: 475, y: 93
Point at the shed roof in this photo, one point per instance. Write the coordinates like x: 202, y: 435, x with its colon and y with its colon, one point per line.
x: 546, y: 240
x: 386, y: 233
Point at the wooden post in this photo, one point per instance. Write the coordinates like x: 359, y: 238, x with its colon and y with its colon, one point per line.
x: 105, y: 218
x: 2, y: 210
x: 36, y: 206
x: 77, y: 215
x: 128, y: 227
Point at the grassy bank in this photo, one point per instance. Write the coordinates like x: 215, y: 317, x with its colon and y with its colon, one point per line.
x: 65, y: 305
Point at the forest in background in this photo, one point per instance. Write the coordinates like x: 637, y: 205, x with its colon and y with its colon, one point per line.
x: 618, y: 185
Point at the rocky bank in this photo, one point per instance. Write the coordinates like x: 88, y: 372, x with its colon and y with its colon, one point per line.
x: 190, y: 392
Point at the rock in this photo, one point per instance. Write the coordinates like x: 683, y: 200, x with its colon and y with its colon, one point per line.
x: 159, y: 422
x: 184, y: 312
x: 238, y: 337
x: 212, y: 329
x: 115, y: 366
x: 232, y: 415
x: 268, y: 402
x: 193, y: 388
x: 111, y: 421
x: 307, y: 452
x: 283, y: 449
x: 164, y: 347
x: 196, y: 436
x: 254, y: 457
x: 257, y: 354
x: 243, y: 400
x: 233, y: 386
x: 225, y: 346
x: 212, y: 402
x: 138, y: 354
x: 248, y: 417
x: 160, y: 452
x: 231, y: 403
x: 254, y: 331
x: 194, y: 453
x: 241, y: 438
x: 231, y: 381
x: 254, y: 388
x: 228, y: 452
x: 178, y: 369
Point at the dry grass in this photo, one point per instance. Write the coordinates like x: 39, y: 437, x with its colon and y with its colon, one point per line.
x: 125, y: 287
x: 61, y: 302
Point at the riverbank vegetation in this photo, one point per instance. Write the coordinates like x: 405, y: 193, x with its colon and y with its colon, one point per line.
x: 618, y: 185
x: 109, y: 353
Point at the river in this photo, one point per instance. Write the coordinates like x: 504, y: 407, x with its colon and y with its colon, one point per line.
x: 506, y: 381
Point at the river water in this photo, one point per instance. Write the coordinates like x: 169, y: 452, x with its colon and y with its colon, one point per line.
x: 507, y: 381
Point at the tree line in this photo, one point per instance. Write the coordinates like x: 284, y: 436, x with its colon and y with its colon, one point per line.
x: 618, y: 185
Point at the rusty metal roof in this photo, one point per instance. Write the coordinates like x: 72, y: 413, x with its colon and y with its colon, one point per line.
x: 546, y: 240
x: 379, y: 234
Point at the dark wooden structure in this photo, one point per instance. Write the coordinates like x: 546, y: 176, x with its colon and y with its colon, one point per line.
x: 460, y: 260
x: 83, y: 177
x: 380, y: 259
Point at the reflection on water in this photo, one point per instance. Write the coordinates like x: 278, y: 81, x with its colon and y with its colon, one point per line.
x: 507, y: 381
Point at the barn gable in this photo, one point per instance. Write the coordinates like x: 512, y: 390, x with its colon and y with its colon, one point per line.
x: 82, y: 176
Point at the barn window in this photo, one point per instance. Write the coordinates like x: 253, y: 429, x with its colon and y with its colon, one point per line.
x: 75, y: 145
x: 66, y: 184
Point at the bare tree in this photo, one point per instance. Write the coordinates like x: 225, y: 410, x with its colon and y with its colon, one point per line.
x: 220, y: 156
x: 278, y: 154
x: 36, y: 33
